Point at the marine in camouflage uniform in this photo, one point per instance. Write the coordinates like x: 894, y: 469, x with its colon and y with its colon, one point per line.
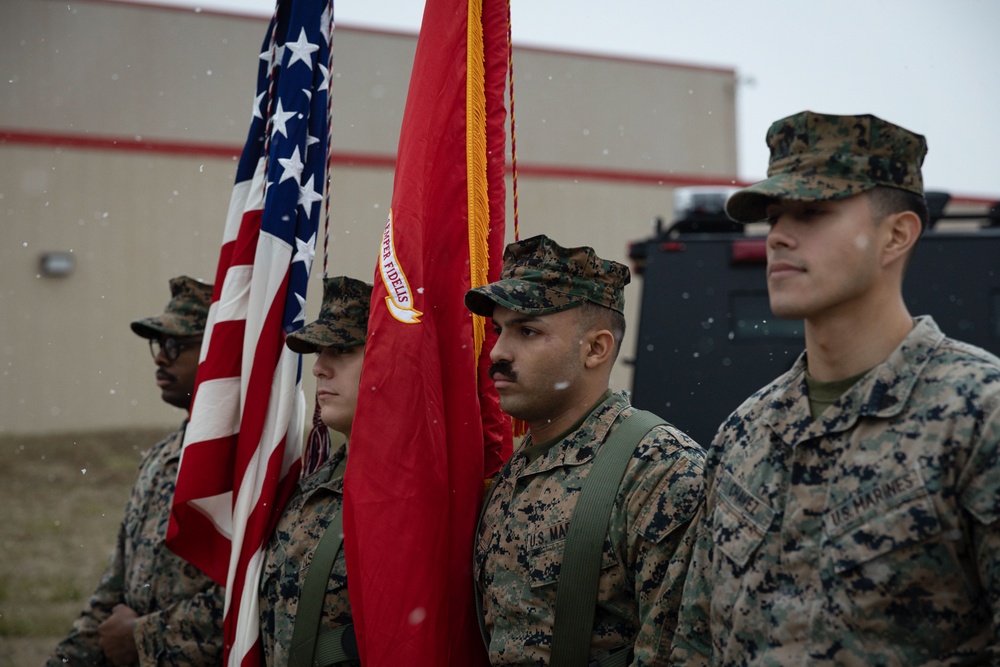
x: 179, y: 609
x: 342, y: 325
x: 522, y: 535
x: 863, y: 532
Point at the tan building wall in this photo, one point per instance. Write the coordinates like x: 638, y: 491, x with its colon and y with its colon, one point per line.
x: 118, y: 127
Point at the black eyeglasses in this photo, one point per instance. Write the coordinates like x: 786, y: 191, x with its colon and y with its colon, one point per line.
x: 171, y: 347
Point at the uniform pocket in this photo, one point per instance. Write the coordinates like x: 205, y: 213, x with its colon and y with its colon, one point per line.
x: 892, y: 566
x: 545, y: 563
x: 274, y: 565
x: 886, y: 516
x: 740, y: 521
x: 272, y: 599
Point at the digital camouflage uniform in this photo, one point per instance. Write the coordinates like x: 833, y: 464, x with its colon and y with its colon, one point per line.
x: 521, y: 540
x: 288, y: 556
x: 522, y: 535
x: 868, y: 536
x: 180, y: 609
x: 342, y: 323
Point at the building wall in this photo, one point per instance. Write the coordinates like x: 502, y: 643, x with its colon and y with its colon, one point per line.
x: 119, y: 127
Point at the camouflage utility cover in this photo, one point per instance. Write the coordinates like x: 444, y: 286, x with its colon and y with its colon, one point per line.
x: 186, y: 313
x: 867, y: 537
x: 289, y: 554
x: 342, y: 321
x: 522, y: 537
x: 821, y: 156
x: 540, y: 277
x: 180, y: 609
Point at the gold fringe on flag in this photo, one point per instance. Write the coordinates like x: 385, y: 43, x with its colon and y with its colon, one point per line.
x: 475, y: 149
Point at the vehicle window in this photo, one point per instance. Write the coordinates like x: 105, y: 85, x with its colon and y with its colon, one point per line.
x: 751, y: 319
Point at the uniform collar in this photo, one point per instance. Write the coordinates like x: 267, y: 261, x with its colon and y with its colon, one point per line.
x: 175, y: 443
x: 882, y: 392
x: 329, y: 476
x: 580, y: 445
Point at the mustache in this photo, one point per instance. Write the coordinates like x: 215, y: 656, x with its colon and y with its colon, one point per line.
x: 503, y: 368
x: 162, y: 374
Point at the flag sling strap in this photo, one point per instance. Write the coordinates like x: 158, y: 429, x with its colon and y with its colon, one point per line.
x: 576, y: 597
x: 312, y: 595
x: 336, y: 646
x: 581, y: 566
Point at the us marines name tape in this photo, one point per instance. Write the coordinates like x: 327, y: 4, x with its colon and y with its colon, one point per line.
x: 873, y: 499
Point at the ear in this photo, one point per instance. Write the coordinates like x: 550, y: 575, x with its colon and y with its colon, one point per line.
x: 599, y: 347
x: 901, y: 233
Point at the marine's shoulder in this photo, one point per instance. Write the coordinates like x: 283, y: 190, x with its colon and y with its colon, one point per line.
x: 664, y: 444
x: 672, y: 440
x: 964, y: 369
x: 965, y: 357
x: 162, y: 451
x: 664, y: 484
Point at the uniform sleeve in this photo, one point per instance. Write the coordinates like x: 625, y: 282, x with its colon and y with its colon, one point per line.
x: 981, y: 497
x: 692, y: 643
x: 80, y: 647
x: 987, y: 544
x: 660, y: 546
x: 185, y: 634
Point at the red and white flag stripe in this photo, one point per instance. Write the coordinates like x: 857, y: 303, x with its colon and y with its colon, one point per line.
x: 241, y: 456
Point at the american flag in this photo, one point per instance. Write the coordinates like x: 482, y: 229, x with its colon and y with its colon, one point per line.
x: 241, y: 456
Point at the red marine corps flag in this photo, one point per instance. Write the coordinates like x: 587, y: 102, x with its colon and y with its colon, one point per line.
x: 427, y: 431
x: 240, y: 461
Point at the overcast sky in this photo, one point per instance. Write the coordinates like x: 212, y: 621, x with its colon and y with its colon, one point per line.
x: 932, y: 66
